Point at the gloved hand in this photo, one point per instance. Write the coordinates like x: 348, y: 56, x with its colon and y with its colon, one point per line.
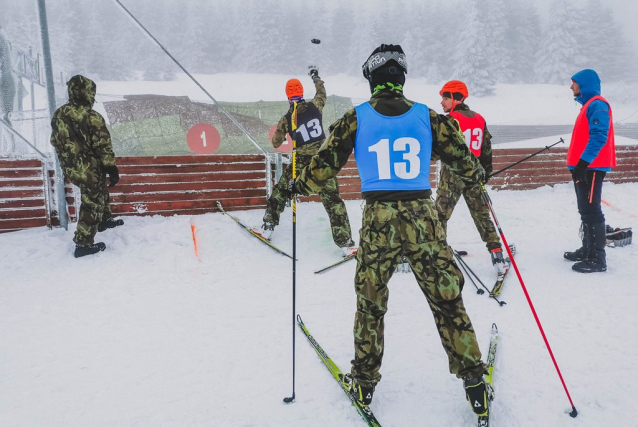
x: 314, y: 74
x: 579, y: 174
x: 485, y: 179
x: 114, y: 175
x: 291, y: 189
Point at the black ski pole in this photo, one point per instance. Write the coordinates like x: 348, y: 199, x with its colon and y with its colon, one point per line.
x: 294, y: 248
x: 528, y: 157
x: 462, y: 265
x: 487, y: 200
x: 465, y: 266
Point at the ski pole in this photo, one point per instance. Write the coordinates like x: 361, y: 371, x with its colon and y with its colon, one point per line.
x: 528, y: 157
x: 488, y: 202
x: 293, y: 122
x: 471, y: 273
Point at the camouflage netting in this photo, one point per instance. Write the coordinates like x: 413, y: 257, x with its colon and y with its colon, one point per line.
x: 156, y: 125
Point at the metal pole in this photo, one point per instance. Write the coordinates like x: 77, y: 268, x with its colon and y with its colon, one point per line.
x: 48, y: 70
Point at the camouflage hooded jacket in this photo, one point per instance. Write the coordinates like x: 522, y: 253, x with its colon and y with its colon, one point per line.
x: 447, y: 144
x: 282, y: 127
x: 79, y: 133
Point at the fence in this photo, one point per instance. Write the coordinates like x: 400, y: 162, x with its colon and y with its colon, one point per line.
x: 190, y: 185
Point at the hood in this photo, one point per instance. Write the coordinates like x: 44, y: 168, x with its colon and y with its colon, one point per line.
x: 81, y: 90
x: 589, y: 83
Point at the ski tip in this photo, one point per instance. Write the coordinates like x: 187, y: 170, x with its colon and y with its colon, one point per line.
x: 494, y: 326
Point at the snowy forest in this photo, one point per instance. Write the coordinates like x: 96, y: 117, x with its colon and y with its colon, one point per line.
x: 482, y: 42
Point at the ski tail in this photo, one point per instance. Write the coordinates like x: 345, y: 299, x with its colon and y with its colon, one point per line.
x: 341, y: 261
x: 251, y: 232
x: 364, y: 411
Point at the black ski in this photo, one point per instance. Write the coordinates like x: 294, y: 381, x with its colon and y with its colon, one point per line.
x: 251, y: 232
x: 342, y: 261
x: 364, y: 411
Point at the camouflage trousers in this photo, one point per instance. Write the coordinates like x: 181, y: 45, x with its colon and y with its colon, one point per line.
x: 95, y: 204
x: 332, y: 203
x: 409, y: 228
x: 450, y: 189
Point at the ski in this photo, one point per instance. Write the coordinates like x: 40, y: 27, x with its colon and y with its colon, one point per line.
x: 344, y: 260
x: 245, y: 227
x: 489, y: 377
x: 364, y: 411
x: 500, y: 280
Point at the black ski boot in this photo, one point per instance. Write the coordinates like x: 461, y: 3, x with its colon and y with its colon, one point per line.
x: 84, y: 250
x: 596, y: 260
x: 361, y: 393
x: 476, y: 395
x: 109, y: 223
x: 580, y: 253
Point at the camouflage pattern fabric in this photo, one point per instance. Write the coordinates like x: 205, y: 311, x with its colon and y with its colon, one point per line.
x: 83, y: 145
x: 409, y: 228
x: 396, y: 224
x: 336, y: 209
x: 450, y: 189
x: 448, y: 193
x: 332, y: 203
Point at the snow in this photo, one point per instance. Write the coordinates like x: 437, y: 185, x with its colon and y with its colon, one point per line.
x: 144, y: 334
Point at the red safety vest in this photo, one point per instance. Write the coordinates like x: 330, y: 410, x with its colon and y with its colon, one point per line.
x: 580, y: 137
x: 472, y: 129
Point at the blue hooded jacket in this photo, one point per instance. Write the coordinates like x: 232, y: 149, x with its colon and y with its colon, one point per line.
x: 597, y: 114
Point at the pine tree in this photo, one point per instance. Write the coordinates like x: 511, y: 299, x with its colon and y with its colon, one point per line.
x: 560, y: 55
x: 522, y: 39
x: 472, y: 63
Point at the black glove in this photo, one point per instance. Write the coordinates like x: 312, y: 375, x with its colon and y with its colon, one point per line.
x: 114, y: 175
x: 291, y: 189
x: 579, y: 174
x: 486, y: 178
x: 314, y: 73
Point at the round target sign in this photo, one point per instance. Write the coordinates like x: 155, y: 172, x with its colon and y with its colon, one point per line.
x: 203, y: 139
x: 286, y: 146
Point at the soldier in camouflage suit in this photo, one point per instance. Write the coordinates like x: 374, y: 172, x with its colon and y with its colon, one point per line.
x: 473, y: 129
x: 394, y: 140
x: 83, y: 145
x: 309, y: 137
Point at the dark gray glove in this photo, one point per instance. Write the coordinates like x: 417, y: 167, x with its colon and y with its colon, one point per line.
x: 114, y: 175
x: 579, y: 174
x: 314, y: 74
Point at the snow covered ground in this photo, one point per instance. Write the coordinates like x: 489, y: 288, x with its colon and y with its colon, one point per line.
x: 144, y: 334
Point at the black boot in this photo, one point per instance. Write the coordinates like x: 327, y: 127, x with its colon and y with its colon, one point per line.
x: 476, y: 395
x: 109, y: 223
x: 361, y: 393
x: 580, y: 253
x: 596, y: 260
x: 84, y: 250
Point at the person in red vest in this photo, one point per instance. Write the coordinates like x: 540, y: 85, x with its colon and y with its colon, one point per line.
x: 591, y: 154
x: 450, y: 187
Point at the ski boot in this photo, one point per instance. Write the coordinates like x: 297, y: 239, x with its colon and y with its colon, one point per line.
x: 109, y: 223
x: 264, y: 231
x: 361, y: 393
x: 84, y: 250
x: 476, y: 395
x: 499, y: 262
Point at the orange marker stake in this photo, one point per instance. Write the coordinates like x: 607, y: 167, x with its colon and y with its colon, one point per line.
x: 194, y: 238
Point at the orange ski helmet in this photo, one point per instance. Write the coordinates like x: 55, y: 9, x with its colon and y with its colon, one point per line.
x: 452, y: 87
x: 294, y: 90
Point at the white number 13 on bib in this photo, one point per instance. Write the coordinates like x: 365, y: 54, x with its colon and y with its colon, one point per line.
x: 474, y: 138
x: 408, y: 169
